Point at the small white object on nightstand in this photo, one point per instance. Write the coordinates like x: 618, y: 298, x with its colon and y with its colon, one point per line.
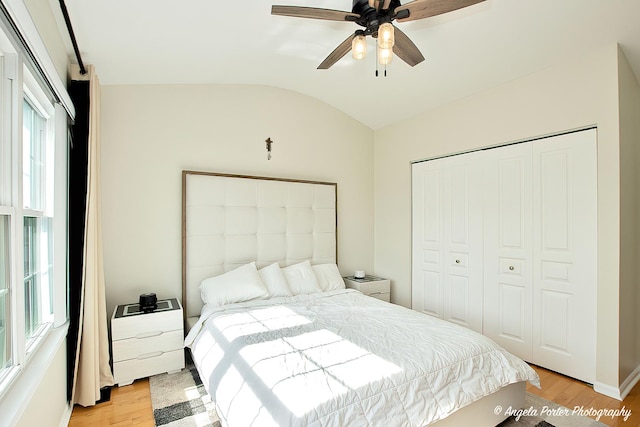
x: 146, y: 344
x: 372, y: 286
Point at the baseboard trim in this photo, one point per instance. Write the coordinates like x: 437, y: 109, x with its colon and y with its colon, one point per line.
x: 66, y: 416
x: 607, y: 390
x: 630, y: 382
x: 625, y: 388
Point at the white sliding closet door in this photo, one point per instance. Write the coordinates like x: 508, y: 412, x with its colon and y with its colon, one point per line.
x: 508, y: 242
x: 565, y: 253
x: 447, y: 239
x: 504, y: 242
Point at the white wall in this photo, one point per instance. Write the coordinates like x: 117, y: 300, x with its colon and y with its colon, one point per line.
x: 40, y: 390
x: 151, y: 133
x: 580, y: 92
x: 50, y: 398
x: 629, y: 93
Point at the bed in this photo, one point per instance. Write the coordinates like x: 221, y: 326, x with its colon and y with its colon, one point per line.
x: 278, y: 340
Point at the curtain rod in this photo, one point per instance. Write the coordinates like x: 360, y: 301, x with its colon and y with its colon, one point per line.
x: 65, y: 13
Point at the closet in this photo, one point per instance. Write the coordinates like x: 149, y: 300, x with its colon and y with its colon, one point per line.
x: 504, y: 242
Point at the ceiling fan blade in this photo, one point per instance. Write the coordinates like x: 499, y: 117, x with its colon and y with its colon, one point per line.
x: 314, y: 13
x: 419, y: 9
x: 405, y: 49
x: 337, y: 53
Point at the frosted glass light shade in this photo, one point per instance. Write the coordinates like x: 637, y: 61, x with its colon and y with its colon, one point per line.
x: 385, y: 56
x: 359, y: 47
x: 386, y: 38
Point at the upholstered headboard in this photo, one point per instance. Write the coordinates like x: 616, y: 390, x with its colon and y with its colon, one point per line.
x: 231, y: 220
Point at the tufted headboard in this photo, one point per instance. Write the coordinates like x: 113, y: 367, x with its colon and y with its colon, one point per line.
x: 231, y: 220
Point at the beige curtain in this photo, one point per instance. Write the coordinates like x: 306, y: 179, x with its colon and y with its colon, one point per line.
x: 92, y: 370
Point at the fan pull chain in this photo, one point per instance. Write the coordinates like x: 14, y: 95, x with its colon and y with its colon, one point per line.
x: 385, y: 70
x: 385, y: 65
x: 376, y: 62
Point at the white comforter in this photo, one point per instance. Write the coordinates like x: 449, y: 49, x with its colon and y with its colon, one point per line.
x: 341, y: 358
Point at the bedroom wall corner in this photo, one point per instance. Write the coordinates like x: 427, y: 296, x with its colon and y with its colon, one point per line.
x: 581, y: 91
x: 629, y: 100
x: 150, y: 133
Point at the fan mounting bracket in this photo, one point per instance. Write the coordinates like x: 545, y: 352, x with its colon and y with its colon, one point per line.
x: 370, y: 18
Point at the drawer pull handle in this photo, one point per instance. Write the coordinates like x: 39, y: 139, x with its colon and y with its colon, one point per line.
x: 511, y: 267
x: 150, y: 355
x: 457, y: 261
x: 149, y: 334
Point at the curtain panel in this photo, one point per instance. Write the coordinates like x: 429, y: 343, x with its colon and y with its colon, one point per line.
x: 88, y: 343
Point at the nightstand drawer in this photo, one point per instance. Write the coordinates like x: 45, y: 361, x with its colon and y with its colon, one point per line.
x: 372, y: 286
x: 158, y: 341
x: 384, y: 296
x: 137, y: 326
x: 146, y: 365
x: 368, y: 288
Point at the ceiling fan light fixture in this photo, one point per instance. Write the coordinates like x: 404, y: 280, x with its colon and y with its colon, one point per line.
x: 386, y: 38
x: 385, y: 56
x: 359, y: 47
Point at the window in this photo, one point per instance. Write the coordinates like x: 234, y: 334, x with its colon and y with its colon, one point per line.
x: 34, y: 129
x: 5, y: 342
x: 37, y: 233
x: 32, y: 217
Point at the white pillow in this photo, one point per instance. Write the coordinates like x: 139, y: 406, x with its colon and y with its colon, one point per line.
x: 241, y: 284
x: 274, y: 280
x: 301, y: 279
x: 329, y: 277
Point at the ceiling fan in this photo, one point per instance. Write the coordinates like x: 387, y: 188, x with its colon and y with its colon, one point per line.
x: 376, y: 17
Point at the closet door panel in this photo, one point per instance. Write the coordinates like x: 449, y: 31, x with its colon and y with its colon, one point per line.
x: 565, y: 254
x: 463, y: 233
x: 513, y: 325
x: 508, y: 249
x: 428, y: 243
x: 430, y: 296
x: 447, y: 239
x: 458, y: 292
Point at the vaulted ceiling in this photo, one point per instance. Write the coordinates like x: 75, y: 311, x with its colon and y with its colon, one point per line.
x: 240, y: 42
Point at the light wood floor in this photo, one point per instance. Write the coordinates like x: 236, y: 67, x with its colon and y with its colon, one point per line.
x: 571, y: 393
x: 131, y: 405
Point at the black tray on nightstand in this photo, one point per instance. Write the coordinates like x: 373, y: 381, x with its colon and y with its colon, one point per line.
x: 128, y: 310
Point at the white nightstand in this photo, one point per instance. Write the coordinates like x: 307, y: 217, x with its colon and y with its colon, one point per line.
x: 146, y: 344
x: 373, y: 286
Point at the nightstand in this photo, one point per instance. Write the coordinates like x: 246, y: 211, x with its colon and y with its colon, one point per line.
x: 372, y: 286
x: 146, y: 344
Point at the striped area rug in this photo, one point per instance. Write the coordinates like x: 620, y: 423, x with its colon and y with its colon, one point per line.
x: 180, y: 400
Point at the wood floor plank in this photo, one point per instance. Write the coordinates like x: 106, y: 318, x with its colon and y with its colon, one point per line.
x: 129, y: 406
